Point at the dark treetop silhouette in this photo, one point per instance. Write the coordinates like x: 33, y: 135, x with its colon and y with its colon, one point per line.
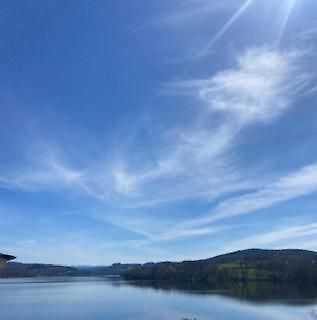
x: 4, y: 258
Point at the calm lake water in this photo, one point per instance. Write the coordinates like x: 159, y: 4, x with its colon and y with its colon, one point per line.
x: 106, y: 299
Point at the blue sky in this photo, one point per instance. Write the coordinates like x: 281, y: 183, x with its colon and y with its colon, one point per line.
x: 141, y: 130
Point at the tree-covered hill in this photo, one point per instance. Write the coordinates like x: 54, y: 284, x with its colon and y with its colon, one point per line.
x: 16, y: 270
x: 277, y: 266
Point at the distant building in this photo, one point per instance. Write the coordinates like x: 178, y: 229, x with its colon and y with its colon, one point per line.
x: 4, y: 258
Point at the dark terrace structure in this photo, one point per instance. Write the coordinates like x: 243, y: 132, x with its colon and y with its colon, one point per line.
x: 4, y: 258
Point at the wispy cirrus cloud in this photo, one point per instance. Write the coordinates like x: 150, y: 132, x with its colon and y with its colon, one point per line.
x: 290, y: 5
x: 195, y: 162
x: 263, y: 84
x: 46, y: 172
x: 297, y: 184
x: 261, y: 87
x: 277, y: 238
x: 226, y: 26
x: 181, y: 12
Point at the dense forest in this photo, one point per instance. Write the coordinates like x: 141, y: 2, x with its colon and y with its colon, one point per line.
x: 275, y: 266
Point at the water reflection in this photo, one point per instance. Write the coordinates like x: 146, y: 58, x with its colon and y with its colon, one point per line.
x: 99, y: 298
x: 261, y: 293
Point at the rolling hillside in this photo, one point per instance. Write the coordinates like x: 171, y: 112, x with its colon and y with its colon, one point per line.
x: 277, y: 266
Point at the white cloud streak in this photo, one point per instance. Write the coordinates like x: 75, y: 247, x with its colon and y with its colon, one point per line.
x: 276, y: 238
x: 290, y: 4
x: 261, y: 86
x: 184, y: 11
x: 226, y: 27
x: 49, y: 174
x: 297, y: 184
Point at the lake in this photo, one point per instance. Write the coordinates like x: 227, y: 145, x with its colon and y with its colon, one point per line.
x: 98, y: 298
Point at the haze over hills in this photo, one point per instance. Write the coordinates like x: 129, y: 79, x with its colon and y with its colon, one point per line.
x: 16, y: 269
